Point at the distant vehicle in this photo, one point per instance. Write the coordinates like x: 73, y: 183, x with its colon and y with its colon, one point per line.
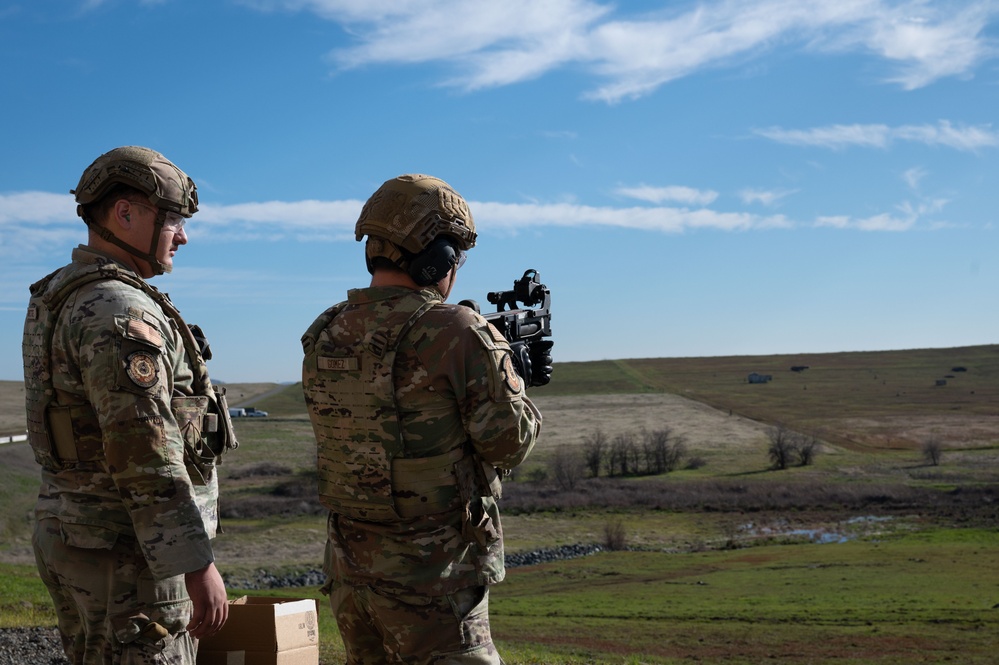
x: 236, y: 413
x: 250, y: 412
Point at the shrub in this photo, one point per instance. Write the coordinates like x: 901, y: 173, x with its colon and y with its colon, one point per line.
x: 615, y: 538
x: 566, y: 467
x: 787, y: 446
x: 537, y: 475
x: 806, y: 448
x: 933, y: 451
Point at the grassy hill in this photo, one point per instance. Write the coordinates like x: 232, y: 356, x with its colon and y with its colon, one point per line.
x: 881, y: 399
x: 746, y: 580
x: 863, y: 400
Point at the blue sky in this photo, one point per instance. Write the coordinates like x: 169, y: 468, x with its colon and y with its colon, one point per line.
x: 689, y: 178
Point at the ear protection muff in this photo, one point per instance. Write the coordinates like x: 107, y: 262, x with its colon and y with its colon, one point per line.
x: 429, y: 266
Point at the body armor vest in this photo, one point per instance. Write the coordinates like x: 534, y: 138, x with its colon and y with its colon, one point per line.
x: 63, y: 436
x: 350, y: 393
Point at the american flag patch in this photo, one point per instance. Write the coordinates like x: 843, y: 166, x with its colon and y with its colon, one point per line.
x: 145, y: 332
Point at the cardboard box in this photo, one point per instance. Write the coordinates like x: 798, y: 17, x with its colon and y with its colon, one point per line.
x: 221, y: 657
x: 270, y: 631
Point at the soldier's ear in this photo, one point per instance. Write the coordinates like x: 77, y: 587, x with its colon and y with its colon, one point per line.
x: 122, y: 213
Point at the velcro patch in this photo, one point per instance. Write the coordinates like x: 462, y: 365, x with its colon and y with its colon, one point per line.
x: 142, y: 331
x: 497, y: 335
x: 337, y: 363
x: 510, y: 375
x: 142, y: 369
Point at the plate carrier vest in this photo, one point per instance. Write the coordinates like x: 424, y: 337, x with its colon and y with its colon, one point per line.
x: 350, y: 394
x: 65, y: 436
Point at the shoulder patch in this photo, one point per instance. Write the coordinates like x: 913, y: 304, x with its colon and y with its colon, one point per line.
x: 142, y: 369
x: 144, y: 332
x: 510, y: 376
x: 496, y: 334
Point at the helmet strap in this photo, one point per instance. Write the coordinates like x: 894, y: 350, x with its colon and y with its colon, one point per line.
x: 150, y: 257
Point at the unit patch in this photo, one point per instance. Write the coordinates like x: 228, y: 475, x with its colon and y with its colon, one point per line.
x: 510, y: 374
x: 142, y: 369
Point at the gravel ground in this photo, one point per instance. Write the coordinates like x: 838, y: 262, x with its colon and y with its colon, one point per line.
x: 31, y: 646
x: 265, y: 580
x: 41, y: 646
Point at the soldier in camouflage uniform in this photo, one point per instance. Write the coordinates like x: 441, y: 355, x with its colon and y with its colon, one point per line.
x: 127, y: 428
x: 416, y: 406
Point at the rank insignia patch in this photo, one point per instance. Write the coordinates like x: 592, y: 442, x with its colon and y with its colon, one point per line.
x: 142, y: 369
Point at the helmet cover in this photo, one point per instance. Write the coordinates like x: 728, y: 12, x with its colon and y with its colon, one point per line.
x: 409, y: 212
x: 167, y: 187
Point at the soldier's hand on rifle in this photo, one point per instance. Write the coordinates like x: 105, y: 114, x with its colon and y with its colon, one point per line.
x: 522, y: 360
x: 540, y: 353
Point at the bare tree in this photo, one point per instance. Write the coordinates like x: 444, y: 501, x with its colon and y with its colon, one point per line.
x: 806, y: 447
x: 933, y: 450
x: 620, y: 458
x: 655, y: 445
x: 675, y: 453
x: 566, y: 467
x: 781, y: 449
x: 594, y: 449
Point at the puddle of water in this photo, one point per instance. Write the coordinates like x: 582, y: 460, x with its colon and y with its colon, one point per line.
x: 822, y: 536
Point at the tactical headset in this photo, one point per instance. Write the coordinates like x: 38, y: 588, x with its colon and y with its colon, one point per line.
x: 429, y: 266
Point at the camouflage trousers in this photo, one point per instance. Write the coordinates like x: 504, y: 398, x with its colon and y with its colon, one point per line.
x: 380, y: 627
x: 110, y: 609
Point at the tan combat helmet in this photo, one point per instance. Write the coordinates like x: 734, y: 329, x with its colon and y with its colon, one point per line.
x: 406, y: 214
x: 167, y: 187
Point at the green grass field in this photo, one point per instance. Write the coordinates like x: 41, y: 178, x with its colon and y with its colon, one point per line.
x: 724, y: 565
x: 930, y: 597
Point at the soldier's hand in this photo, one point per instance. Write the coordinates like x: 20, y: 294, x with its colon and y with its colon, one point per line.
x: 522, y: 361
x: 541, y: 362
x: 211, y: 605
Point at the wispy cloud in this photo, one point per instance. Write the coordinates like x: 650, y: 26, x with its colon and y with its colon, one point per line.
x: 913, y: 177
x: 763, y: 196
x: 838, y: 137
x: 495, y: 44
x: 335, y: 219
x: 514, y: 216
x: 675, y: 193
x: 909, y: 215
x: 35, y: 225
x: 929, y: 40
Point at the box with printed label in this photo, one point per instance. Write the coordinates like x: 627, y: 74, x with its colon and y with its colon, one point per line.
x: 270, y: 631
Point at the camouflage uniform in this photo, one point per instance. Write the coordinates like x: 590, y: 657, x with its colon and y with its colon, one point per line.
x: 126, y: 506
x: 414, y: 539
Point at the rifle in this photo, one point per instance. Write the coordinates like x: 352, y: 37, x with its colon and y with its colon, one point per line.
x: 525, y: 328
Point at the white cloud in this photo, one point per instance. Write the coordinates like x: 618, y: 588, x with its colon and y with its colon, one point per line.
x: 494, y: 44
x: 676, y: 193
x: 882, y: 222
x: 913, y: 177
x: 513, y: 216
x: 910, y: 216
x: 838, y: 137
x: 930, y: 40
x: 763, y: 196
x: 37, y: 225
x: 289, y: 216
x: 37, y: 207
